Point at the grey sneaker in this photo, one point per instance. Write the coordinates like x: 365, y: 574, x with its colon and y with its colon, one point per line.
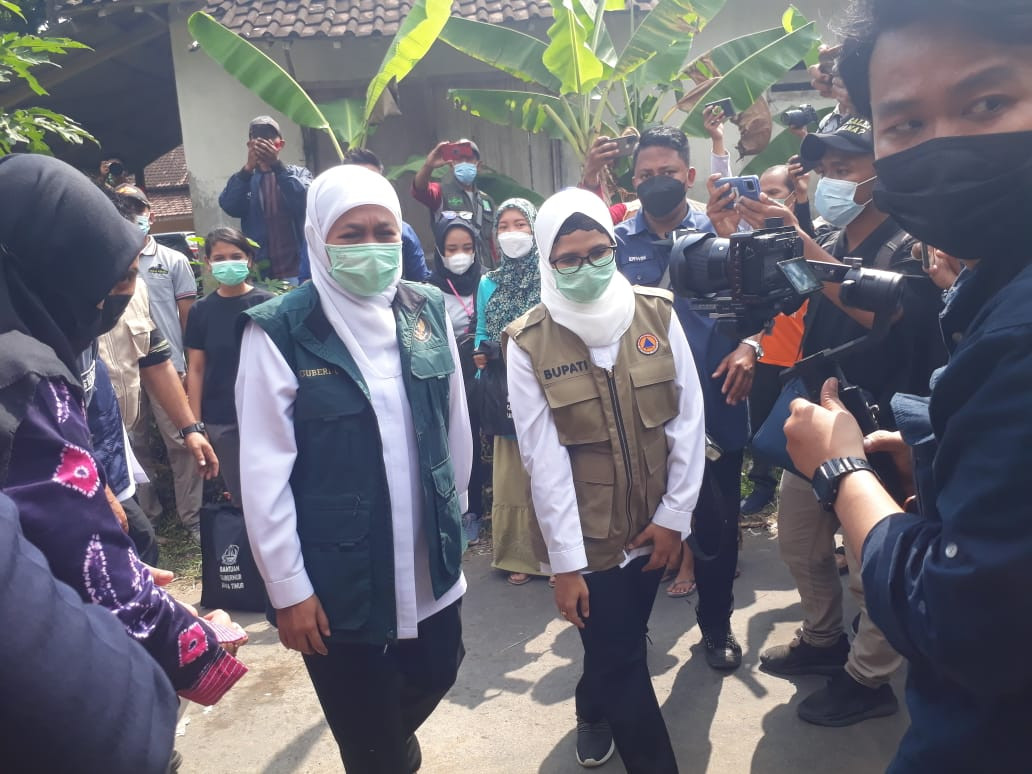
x: 595, y: 743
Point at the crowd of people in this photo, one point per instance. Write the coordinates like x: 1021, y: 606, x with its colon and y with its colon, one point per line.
x: 536, y: 370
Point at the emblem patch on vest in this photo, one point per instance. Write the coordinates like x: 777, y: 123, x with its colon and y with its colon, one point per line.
x: 421, y: 330
x: 648, y: 344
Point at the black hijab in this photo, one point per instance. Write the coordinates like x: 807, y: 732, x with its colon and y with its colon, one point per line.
x: 465, y: 284
x: 63, y: 247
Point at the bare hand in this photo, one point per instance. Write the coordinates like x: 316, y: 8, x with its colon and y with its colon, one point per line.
x: 666, y: 547
x: 943, y: 268
x: 571, y: 597
x: 714, y: 123
x: 303, y: 626
x: 200, y: 448
x: 266, y: 152
x: 252, y: 157
x: 480, y: 361
x: 740, y: 367
x: 600, y: 155
x: 897, y: 449
x: 159, y: 576
x: 800, y: 178
x: 221, y: 618
x: 817, y: 434
x: 756, y: 213
x: 434, y: 158
x: 725, y: 221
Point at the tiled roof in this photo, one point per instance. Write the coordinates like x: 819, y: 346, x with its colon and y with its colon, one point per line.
x: 170, y: 205
x: 168, y: 171
x: 360, y: 18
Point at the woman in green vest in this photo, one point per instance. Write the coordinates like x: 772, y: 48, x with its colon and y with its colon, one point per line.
x: 608, y: 410
x: 504, y: 295
x: 355, y: 455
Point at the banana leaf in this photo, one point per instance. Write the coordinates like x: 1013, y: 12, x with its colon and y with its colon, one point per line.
x: 413, y: 40
x: 345, y: 119
x: 568, y: 55
x: 255, y: 70
x: 664, y: 37
x: 513, y: 52
x: 749, y: 77
x: 792, y: 20
x: 410, y: 167
x: 780, y: 149
x: 501, y: 187
x: 524, y: 109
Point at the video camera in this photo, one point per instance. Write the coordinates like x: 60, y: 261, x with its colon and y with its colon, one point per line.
x: 747, y: 280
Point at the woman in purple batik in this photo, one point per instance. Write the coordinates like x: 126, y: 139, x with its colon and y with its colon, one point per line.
x: 67, y: 271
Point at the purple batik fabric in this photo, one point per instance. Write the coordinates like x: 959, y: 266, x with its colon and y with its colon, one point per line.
x: 59, y: 490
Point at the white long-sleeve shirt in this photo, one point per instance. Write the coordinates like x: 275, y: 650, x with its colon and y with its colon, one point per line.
x: 266, y: 389
x: 548, y: 462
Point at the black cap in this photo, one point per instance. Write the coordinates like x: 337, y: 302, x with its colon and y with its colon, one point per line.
x: 853, y: 136
x: 264, y: 121
x: 134, y: 193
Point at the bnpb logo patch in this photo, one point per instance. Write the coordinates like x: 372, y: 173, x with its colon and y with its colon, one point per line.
x: 648, y: 344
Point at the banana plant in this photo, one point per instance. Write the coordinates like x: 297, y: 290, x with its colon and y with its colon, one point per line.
x: 577, y: 75
x: 349, y: 121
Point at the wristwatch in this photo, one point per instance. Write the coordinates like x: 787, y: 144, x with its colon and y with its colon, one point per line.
x: 828, y: 478
x: 196, y: 427
x: 756, y: 346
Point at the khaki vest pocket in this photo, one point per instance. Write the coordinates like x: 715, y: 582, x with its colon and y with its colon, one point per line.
x: 655, y: 390
x: 656, y: 462
x: 593, y: 481
x: 577, y: 411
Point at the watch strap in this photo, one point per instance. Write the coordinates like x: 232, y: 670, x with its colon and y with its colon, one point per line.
x: 828, y: 478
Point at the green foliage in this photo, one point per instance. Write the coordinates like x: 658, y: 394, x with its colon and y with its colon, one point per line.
x: 347, y: 122
x: 498, y: 186
x: 21, y: 54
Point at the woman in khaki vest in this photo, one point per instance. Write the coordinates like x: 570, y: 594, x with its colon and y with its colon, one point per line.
x: 608, y: 412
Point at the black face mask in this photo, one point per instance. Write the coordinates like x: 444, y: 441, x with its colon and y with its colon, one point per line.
x: 967, y: 196
x: 661, y: 195
x: 105, y: 320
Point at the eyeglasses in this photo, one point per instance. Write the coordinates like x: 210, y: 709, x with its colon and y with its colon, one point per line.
x: 453, y: 214
x: 599, y: 257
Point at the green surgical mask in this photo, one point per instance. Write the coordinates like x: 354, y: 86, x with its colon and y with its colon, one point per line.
x: 230, y: 273
x: 366, y: 269
x: 587, y: 284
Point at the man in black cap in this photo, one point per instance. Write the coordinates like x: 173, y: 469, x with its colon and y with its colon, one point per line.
x: 903, y: 362
x: 458, y: 196
x: 269, y: 198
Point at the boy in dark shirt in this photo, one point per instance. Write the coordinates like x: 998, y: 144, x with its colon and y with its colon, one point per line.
x: 213, y: 346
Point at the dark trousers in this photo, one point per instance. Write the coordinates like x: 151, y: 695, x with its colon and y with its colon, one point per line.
x: 141, y: 531
x: 764, y: 394
x: 616, y: 685
x: 715, y: 528
x: 375, y: 699
x: 481, y: 471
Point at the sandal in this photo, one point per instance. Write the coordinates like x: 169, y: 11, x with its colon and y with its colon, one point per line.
x: 518, y: 578
x: 681, y: 588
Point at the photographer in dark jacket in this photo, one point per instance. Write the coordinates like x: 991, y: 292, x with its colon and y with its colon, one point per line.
x: 860, y: 672
x: 269, y: 198
x: 949, y: 87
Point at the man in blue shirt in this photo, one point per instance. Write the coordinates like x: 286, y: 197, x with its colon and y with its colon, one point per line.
x: 947, y: 86
x: 662, y: 176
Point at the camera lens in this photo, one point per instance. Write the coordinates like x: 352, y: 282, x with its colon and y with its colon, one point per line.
x: 699, y: 264
x: 116, y: 169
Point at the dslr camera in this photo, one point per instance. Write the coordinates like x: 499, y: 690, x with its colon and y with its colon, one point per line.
x: 798, y: 117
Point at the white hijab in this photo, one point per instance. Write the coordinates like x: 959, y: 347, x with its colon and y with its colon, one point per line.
x: 597, y: 323
x: 365, y: 324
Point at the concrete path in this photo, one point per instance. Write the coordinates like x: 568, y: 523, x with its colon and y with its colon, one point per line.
x: 511, y: 711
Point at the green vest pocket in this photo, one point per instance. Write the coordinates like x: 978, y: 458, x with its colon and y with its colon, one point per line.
x: 447, y: 519
x: 334, y: 534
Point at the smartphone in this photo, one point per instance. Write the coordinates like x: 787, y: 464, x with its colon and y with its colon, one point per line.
x: 926, y: 257
x: 278, y: 144
x: 457, y: 151
x: 722, y: 108
x: 747, y: 186
x: 626, y: 144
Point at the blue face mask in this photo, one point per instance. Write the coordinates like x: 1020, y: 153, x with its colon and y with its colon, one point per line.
x: 835, y: 200
x: 465, y: 172
x: 143, y: 223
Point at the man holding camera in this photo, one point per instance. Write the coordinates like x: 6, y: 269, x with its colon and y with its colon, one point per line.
x: 903, y: 362
x: 662, y: 176
x: 947, y: 84
x: 459, y: 194
x: 269, y: 198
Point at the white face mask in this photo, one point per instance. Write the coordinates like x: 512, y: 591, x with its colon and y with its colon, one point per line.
x: 458, y: 263
x: 515, y: 244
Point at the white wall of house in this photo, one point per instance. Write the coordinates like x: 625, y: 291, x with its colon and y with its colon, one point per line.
x: 215, y: 108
